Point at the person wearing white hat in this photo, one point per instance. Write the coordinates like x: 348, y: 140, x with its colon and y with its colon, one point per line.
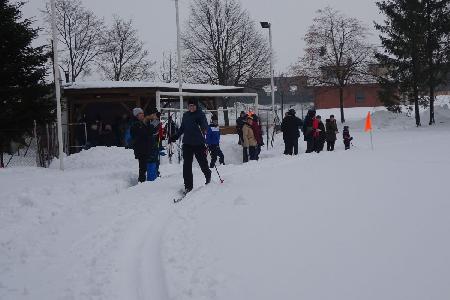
x: 142, y: 141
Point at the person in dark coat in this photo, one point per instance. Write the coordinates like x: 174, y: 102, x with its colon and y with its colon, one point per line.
x: 257, y: 131
x: 332, y: 130
x: 308, y: 131
x: 108, y: 138
x: 239, y: 124
x: 213, y: 142
x: 291, y: 133
x: 347, y: 138
x: 193, y: 128
x: 142, y: 141
x: 320, y: 135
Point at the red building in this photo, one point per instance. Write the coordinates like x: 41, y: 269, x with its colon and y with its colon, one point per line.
x: 356, y: 95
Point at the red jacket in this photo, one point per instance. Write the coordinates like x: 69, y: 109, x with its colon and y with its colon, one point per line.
x: 257, y: 131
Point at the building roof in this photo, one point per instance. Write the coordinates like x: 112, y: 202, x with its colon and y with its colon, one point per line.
x: 144, y: 84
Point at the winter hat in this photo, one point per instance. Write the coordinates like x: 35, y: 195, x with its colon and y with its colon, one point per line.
x: 292, y: 111
x: 214, y: 118
x: 137, y: 111
x: 319, y: 117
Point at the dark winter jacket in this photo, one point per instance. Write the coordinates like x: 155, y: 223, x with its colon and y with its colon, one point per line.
x: 257, y: 132
x: 332, y: 129
x: 142, y: 139
x: 308, y: 125
x: 290, y: 127
x: 213, y: 135
x: 193, y: 126
x: 346, y: 134
x: 322, y: 133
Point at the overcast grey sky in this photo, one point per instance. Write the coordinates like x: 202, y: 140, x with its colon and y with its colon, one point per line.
x: 155, y: 20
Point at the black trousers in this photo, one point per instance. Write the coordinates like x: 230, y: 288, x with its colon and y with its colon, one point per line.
x: 142, y: 169
x: 310, y: 145
x: 330, y: 145
x: 347, y: 144
x: 250, y: 153
x: 291, y: 146
x: 216, y: 152
x: 188, y: 155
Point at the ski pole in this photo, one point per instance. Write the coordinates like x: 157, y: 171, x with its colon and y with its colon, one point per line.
x: 215, y: 167
x: 209, y: 150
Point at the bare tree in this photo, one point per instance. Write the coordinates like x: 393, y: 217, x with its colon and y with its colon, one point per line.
x: 222, y: 45
x: 336, y: 52
x: 80, y: 33
x: 123, y: 54
x: 167, y: 68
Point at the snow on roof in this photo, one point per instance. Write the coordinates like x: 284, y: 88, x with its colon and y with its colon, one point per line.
x: 144, y: 84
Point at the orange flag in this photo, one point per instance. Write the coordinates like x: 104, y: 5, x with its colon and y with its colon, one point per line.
x: 368, y: 123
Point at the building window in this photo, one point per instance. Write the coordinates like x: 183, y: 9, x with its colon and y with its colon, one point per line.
x: 360, y: 96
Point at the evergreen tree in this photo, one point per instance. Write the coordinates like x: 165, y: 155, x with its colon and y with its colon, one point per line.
x: 24, y: 95
x: 403, y: 39
x: 437, y: 46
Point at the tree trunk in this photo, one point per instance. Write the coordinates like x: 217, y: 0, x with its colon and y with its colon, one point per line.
x: 341, y: 103
x: 416, y: 106
x: 432, y: 121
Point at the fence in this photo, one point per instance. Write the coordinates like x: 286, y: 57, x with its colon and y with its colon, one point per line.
x: 36, y: 149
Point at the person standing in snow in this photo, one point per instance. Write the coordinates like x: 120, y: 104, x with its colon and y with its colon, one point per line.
x: 239, y: 124
x: 291, y: 133
x: 332, y: 130
x: 249, y: 142
x: 193, y: 128
x: 257, y: 132
x: 308, y: 131
x: 319, y: 134
x: 347, y: 138
x: 142, y: 141
x: 213, y: 142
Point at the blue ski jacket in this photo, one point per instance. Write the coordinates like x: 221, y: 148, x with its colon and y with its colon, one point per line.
x: 213, y: 135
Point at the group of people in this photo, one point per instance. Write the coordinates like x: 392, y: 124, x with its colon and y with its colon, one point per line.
x: 249, y: 130
x: 199, y: 138
x: 315, y: 132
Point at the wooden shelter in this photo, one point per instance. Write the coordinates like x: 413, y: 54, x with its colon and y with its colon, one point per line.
x: 108, y: 101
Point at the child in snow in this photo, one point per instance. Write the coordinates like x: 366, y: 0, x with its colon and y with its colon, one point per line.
x: 347, y: 137
x: 213, y: 142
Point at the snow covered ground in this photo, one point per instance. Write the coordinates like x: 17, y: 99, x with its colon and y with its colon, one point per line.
x: 356, y: 224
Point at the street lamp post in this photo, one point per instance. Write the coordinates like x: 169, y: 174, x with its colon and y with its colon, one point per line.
x: 268, y: 25
x: 57, y: 84
x: 180, y: 64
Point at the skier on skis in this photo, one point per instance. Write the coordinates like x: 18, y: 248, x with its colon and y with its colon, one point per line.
x: 193, y: 128
x: 213, y: 142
